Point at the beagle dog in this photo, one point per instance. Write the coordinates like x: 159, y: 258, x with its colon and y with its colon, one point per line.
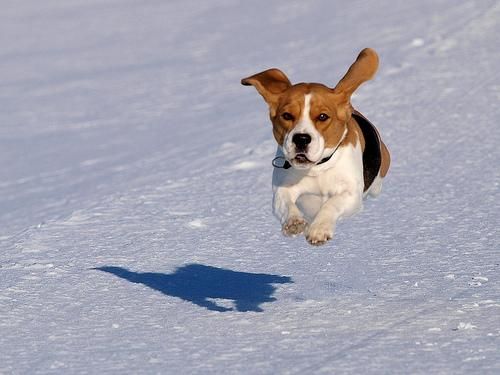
x: 329, y: 155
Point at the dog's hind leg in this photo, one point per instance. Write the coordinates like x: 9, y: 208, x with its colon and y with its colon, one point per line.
x: 376, y: 187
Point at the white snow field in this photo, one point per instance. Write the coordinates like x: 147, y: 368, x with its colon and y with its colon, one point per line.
x: 136, y: 233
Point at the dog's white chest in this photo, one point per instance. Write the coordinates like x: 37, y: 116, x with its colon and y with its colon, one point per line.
x: 343, y: 172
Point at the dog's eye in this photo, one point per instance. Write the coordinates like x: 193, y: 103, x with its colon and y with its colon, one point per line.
x: 323, y: 117
x: 287, y: 116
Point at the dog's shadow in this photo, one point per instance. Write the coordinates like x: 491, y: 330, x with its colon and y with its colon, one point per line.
x: 199, y: 284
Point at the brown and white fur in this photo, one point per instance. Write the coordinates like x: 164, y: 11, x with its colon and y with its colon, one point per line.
x: 310, y: 123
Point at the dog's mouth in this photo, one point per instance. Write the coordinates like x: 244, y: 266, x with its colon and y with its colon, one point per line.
x: 301, y: 159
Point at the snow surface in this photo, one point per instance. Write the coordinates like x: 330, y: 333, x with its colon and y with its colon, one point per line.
x: 136, y: 232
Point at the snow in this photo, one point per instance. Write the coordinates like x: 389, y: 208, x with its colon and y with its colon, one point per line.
x: 136, y: 232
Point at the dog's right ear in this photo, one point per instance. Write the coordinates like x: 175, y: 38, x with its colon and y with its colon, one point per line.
x: 270, y: 84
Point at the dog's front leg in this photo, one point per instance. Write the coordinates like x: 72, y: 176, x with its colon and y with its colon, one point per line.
x: 285, y: 209
x: 339, y: 205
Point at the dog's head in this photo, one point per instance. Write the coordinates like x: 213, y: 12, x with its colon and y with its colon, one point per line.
x: 310, y: 119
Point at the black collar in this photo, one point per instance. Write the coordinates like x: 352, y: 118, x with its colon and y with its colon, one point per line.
x: 287, y: 165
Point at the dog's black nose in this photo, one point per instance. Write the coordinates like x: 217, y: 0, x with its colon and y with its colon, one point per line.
x: 301, y: 140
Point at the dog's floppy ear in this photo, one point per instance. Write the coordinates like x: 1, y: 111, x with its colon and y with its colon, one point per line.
x: 270, y: 84
x: 361, y: 70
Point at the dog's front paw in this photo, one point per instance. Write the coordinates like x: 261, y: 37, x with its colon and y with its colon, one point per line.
x: 293, y: 226
x: 319, y: 234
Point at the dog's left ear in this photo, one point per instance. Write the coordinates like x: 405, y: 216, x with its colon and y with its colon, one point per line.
x: 270, y: 84
x: 362, y: 70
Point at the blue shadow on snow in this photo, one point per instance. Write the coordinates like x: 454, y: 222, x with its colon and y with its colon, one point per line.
x: 198, y: 284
